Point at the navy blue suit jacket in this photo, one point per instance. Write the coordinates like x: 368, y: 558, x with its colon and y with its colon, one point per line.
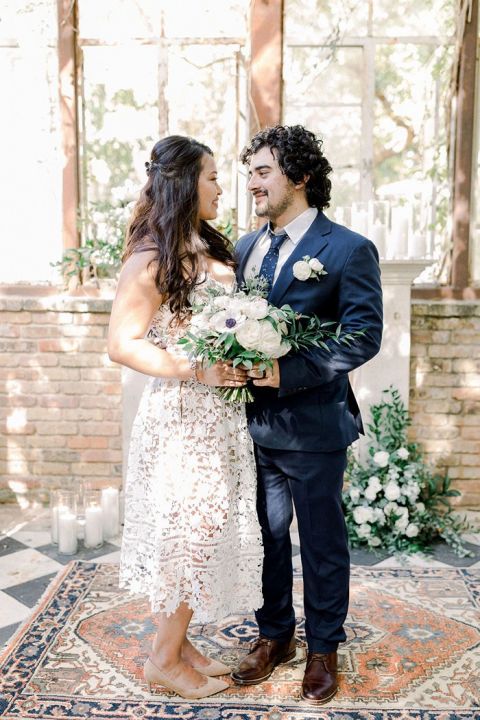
x: 314, y: 409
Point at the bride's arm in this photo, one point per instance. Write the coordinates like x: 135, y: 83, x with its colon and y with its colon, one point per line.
x: 136, y: 301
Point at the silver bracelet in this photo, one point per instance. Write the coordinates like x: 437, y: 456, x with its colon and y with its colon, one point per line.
x: 193, y: 362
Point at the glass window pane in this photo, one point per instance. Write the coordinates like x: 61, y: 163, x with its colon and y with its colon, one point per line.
x: 123, y: 19
x: 410, y: 161
x: 201, y: 96
x: 413, y: 17
x: 320, y: 74
x: 25, y: 20
x: 207, y: 18
x: 119, y: 19
x: 345, y: 189
x: 311, y: 20
x: 120, y: 112
x: 329, y: 102
x: 408, y: 115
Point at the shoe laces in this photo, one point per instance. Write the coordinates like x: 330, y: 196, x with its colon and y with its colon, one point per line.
x: 259, y: 642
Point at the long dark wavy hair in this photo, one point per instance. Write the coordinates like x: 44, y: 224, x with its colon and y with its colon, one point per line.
x: 165, y: 218
x: 299, y: 153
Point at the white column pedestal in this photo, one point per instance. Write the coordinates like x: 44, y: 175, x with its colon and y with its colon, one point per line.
x: 392, y: 364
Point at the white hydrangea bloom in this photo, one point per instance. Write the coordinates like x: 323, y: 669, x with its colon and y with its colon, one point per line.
x: 402, y: 453
x: 374, y: 482
x: 381, y: 458
x: 402, y: 523
x: 354, y: 493
x: 379, y: 516
x: 392, y: 491
x: 364, y: 530
x: 362, y: 514
x: 412, y: 530
x: 371, y: 493
x: 391, y: 508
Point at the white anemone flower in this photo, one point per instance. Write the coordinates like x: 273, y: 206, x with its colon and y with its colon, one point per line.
x: 227, y: 321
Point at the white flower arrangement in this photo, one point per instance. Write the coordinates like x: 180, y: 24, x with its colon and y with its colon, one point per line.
x: 242, y: 327
x: 393, y: 501
x: 308, y: 268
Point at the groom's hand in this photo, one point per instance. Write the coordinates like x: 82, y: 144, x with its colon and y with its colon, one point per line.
x: 271, y: 376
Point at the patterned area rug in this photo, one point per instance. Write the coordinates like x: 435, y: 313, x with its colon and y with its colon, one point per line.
x: 413, y: 652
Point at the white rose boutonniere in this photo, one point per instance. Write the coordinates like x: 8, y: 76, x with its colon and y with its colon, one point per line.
x: 308, y: 268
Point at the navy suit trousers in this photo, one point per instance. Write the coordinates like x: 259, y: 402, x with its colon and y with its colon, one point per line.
x: 313, y: 483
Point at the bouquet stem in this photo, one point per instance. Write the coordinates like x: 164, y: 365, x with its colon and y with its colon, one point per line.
x: 235, y: 395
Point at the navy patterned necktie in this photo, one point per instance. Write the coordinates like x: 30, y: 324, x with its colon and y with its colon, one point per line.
x: 269, y: 262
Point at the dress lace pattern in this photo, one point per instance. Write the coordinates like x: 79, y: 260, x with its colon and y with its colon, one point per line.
x: 191, y: 532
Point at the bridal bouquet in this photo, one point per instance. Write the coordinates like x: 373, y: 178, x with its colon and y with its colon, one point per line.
x: 242, y: 327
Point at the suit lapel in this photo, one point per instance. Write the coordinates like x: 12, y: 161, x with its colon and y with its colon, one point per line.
x: 312, y: 243
x: 246, y: 253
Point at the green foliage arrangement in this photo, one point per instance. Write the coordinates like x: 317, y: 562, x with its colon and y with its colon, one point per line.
x: 393, y: 501
x: 100, y: 255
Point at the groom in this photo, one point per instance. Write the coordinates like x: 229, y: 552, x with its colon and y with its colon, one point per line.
x: 305, y: 414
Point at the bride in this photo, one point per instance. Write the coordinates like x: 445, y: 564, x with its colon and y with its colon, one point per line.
x: 191, y: 540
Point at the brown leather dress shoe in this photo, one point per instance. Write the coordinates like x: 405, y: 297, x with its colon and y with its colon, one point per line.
x: 320, y: 679
x: 264, y: 656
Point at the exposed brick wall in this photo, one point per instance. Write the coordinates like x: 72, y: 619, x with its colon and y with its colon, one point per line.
x: 61, y: 400
x: 445, y: 390
x: 60, y: 395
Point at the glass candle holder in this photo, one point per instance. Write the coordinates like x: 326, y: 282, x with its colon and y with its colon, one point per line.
x: 93, y: 519
x: 54, y: 501
x: 67, y: 522
x: 378, y: 220
x: 80, y: 499
x: 111, y: 512
x: 360, y: 217
x: 400, y: 228
x: 343, y: 216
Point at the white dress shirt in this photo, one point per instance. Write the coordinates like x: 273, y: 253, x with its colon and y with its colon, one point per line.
x: 295, y: 230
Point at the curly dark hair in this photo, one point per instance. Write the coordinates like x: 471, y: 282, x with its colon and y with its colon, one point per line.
x: 298, y: 153
x: 165, y: 219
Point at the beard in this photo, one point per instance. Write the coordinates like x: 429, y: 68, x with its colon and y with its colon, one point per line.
x: 274, y: 210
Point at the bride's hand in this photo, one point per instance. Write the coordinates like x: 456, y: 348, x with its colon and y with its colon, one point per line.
x: 221, y: 374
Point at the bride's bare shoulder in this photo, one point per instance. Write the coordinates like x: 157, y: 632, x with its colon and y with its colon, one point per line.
x: 138, y: 274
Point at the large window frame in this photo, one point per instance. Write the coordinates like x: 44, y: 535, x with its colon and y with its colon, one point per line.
x: 265, y: 99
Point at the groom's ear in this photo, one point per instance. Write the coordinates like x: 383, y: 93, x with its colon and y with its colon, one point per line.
x: 302, y: 184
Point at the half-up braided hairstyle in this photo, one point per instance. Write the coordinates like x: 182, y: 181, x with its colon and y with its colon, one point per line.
x: 298, y: 153
x: 165, y: 219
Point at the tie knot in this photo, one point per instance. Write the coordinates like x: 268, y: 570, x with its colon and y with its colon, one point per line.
x: 276, y: 240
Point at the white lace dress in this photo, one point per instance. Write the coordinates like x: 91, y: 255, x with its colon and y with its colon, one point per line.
x: 191, y: 532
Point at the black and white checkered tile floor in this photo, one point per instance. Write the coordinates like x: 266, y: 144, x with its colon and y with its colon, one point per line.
x: 29, y: 561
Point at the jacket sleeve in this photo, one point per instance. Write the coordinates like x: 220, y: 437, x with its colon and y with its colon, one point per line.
x: 359, y: 307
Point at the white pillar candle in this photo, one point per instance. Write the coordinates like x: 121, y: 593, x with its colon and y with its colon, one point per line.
x: 110, y: 510
x: 417, y: 246
x: 93, y: 526
x: 398, y: 241
x: 67, y: 532
x: 378, y: 235
x: 360, y: 221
